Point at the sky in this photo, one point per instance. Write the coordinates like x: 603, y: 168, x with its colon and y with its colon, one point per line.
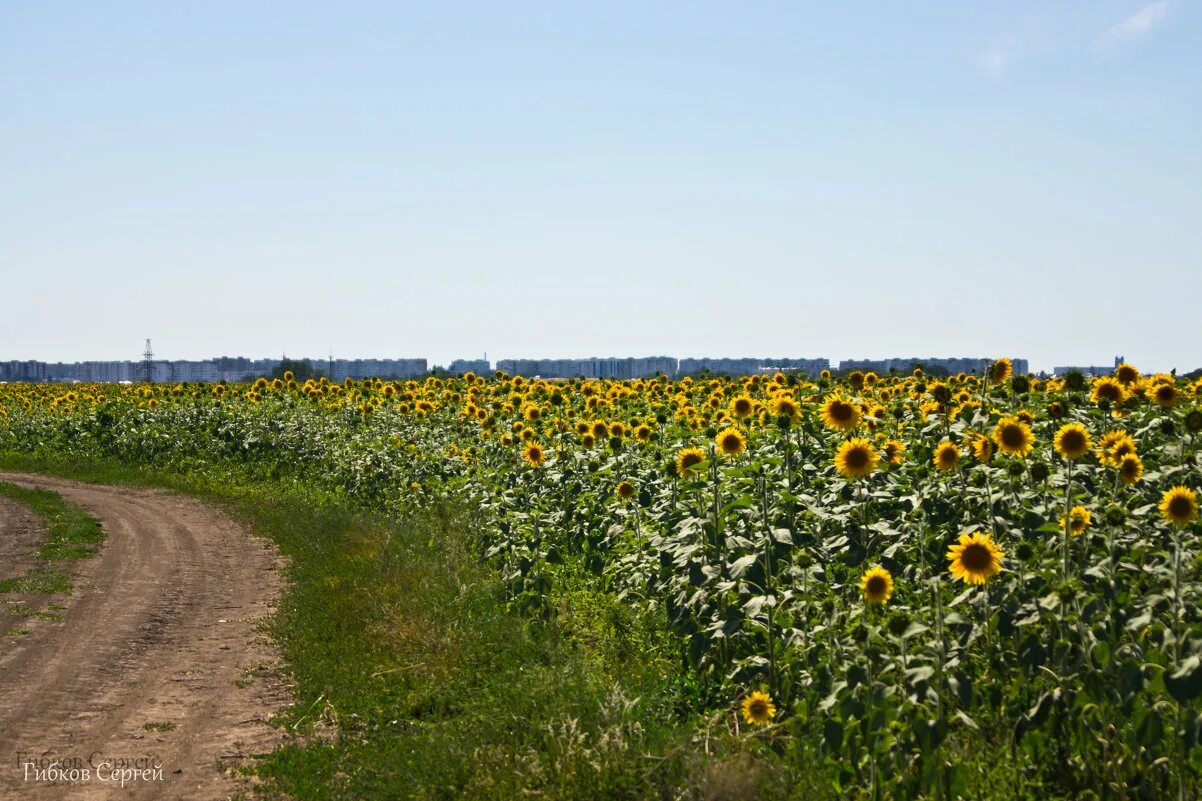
x: 555, y: 179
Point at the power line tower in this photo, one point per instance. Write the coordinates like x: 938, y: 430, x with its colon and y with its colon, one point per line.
x: 148, y: 363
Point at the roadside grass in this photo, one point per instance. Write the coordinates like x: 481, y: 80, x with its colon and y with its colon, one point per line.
x: 413, y: 679
x: 72, y: 533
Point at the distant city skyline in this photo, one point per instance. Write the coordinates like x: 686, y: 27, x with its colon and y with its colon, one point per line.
x: 551, y: 180
x: 236, y: 368
x: 880, y: 364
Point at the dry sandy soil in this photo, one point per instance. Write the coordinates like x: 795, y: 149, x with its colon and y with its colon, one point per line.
x: 158, y: 664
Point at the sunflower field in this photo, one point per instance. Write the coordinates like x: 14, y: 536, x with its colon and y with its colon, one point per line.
x: 875, y: 575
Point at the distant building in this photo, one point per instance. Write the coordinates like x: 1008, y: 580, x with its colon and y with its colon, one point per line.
x: 374, y: 368
x: 223, y: 368
x: 22, y: 371
x: 477, y: 366
x: 624, y: 368
x: 1091, y: 371
x: 958, y: 364
x: 724, y: 366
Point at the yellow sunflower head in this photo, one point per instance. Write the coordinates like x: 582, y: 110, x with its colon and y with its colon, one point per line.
x: 730, y: 442
x: 742, y: 406
x: 1000, y: 370
x: 1078, y: 520
x: 1179, y: 506
x: 688, y: 460
x: 840, y: 415
x: 894, y: 451
x: 786, y: 407
x: 1113, y: 438
x: 877, y: 585
x: 982, y: 448
x: 758, y: 709
x: 1013, y: 437
x: 1072, y: 441
x: 1164, y: 395
x: 1131, y: 469
x: 534, y: 454
x: 975, y: 558
x: 624, y: 490
x: 856, y: 458
x: 947, y: 455
x: 1109, y: 389
x: 1126, y: 374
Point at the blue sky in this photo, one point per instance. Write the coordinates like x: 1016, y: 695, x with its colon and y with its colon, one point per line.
x: 556, y: 179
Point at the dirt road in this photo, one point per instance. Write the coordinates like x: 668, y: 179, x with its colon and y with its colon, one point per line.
x: 157, y: 674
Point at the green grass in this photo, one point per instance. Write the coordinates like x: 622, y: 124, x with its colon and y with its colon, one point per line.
x: 72, y: 533
x: 19, y: 610
x: 413, y: 679
x: 159, y: 726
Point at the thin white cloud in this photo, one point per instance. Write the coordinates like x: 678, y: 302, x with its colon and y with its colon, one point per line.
x: 1139, y: 23
x: 996, y: 59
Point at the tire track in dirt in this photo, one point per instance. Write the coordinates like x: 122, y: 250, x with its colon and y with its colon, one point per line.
x: 157, y: 663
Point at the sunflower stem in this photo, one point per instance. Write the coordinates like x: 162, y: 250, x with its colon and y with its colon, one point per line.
x: 1068, y: 500
x: 769, y: 587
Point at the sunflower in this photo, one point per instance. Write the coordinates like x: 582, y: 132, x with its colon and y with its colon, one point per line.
x: 877, y: 585
x: 840, y: 415
x: 982, y: 448
x: 731, y: 442
x: 784, y: 406
x: 687, y: 460
x: 1131, y: 469
x: 894, y: 449
x: 1000, y: 370
x: 1126, y: 374
x: 1164, y: 395
x: 856, y: 458
x: 643, y: 433
x: 1078, y: 520
x: 600, y: 429
x: 1108, y: 389
x: 1113, y: 446
x: 975, y: 558
x: 742, y: 406
x: 624, y: 490
x: 534, y: 454
x: 947, y: 455
x: 1179, y: 506
x: 1072, y: 441
x: 758, y: 709
x: 1013, y: 436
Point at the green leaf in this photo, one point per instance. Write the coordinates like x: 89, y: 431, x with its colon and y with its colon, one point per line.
x: 1185, y: 683
x: 740, y: 565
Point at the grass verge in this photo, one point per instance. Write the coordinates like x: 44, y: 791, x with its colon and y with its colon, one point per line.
x: 72, y: 533
x: 413, y: 678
